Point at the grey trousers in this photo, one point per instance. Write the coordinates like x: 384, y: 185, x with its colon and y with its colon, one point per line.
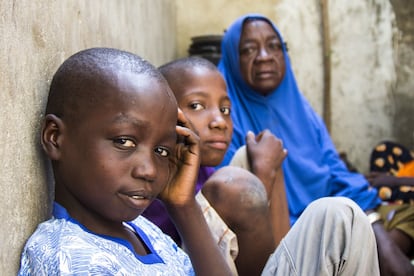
x: 332, y: 237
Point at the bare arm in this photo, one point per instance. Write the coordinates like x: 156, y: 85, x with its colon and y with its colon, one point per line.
x: 266, y: 154
x: 279, y: 211
x: 382, y: 179
x: 179, y: 198
x: 392, y: 259
x: 393, y: 246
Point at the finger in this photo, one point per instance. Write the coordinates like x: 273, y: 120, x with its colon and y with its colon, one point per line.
x: 250, y: 138
x: 281, y: 144
x: 285, y: 153
x: 260, y: 135
x: 189, y: 138
x: 182, y: 119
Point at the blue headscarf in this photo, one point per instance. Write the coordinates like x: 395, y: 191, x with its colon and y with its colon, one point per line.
x: 312, y: 168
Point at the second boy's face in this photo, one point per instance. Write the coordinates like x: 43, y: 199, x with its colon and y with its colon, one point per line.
x: 116, y: 161
x: 204, y: 100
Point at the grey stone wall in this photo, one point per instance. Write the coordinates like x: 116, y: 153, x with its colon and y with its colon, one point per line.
x: 403, y: 121
x: 36, y: 36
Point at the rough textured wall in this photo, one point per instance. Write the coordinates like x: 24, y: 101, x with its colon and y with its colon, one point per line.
x: 363, y: 75
x: 36, y: 36
x: 300, y: 24
x: 403, y: 122
x: 364, y: 40
x: 196, y: 18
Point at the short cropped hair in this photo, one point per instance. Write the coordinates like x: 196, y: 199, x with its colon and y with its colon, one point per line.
x: 172, y: 70
x: 76, y: 83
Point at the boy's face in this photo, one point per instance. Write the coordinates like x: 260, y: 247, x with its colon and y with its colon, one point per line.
x: 116, y: 160
x: 202, y: 96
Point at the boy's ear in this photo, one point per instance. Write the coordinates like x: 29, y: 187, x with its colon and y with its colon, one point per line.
x: 52, y: 136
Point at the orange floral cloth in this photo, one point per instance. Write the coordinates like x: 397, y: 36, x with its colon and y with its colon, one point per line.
x: 406, y: 170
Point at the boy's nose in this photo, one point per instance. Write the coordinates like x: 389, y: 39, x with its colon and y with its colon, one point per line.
x: 218, y: 122
x: 144, y: 167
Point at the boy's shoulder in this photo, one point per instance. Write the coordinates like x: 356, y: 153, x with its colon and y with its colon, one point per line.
x: 61, y: 244
x: 65, y: 234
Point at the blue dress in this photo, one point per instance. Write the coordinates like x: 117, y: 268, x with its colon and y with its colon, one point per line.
x: 313, y: 168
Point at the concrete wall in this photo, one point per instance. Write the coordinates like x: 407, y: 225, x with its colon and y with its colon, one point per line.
x: 196, y: 18
x: 36, y: 36
x: 363, y: 75
x: 371, y: 60
x: 403, y: 122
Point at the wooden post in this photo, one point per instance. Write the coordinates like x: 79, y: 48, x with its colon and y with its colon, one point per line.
x: 326, y: 50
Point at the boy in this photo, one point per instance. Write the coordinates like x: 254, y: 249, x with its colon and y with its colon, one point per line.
x: 201, y: 94
x: 110, y: 131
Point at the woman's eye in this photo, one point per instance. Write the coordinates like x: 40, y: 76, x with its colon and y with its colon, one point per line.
x: 275, y: 45
x: 225, y: 110
x: 162, y: 151
x: 125, y: 142
x: 248, y: 50
x: 196, y: 106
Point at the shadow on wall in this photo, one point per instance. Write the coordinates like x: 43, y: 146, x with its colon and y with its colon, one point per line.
x: 403, y: 126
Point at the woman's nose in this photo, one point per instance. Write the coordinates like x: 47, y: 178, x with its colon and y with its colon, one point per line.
x: 263, y: 53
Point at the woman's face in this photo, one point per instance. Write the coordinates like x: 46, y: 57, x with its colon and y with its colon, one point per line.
x: 262, y: 64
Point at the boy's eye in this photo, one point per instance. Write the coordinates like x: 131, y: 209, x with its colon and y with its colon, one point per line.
x: 196, y: 106
x: 124, y: 142
x: 162, y: 151
x: 225, y: 110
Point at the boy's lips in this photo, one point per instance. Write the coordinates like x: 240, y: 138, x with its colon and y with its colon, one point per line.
x: 220, y: 144
x: 136, y: 199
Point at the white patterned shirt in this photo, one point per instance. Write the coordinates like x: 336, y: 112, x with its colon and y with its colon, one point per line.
x: 62, y: 246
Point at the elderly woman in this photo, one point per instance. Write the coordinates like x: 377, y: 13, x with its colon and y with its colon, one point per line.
x: 265, y: 95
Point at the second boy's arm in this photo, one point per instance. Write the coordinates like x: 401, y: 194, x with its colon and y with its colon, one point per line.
x: 266, y: 154
x: 179, y: 197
